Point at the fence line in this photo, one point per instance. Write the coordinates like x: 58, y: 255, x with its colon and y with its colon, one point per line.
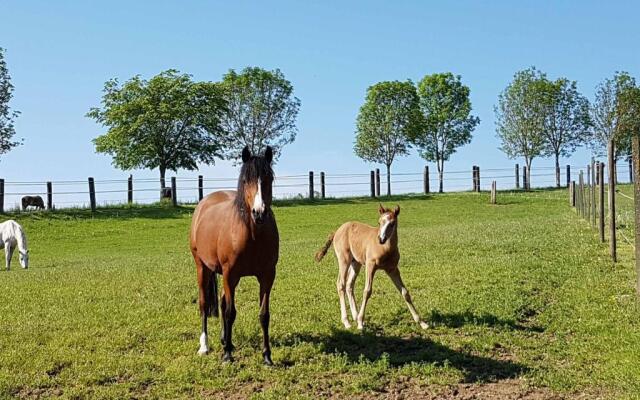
x: 191, y: 188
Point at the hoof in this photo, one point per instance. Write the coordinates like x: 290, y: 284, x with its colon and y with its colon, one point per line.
x: 346, y: 323
x: 424, y: 325
x: 203, y: 352
x: 267, y: 360
x: 227, y: 357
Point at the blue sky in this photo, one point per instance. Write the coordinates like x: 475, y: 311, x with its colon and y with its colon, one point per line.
x: 61, y: 53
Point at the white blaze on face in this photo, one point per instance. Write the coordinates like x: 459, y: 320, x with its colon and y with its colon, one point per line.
x: 258, y: 203
x: 383, y: 227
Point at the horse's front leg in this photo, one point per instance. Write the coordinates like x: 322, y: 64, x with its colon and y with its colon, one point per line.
x: 8, y: 253
x: 397, y: 281
x: 265, y: 291
x: 368, y: 287
x: 229, y: 314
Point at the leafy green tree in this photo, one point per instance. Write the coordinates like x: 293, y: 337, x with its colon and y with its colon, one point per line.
x: 605, y: 116
x: 262, y: 111
x: 7, y: 116
x: 520, y: 117
x: 388, y: 120
x: 447, y: 120
x: 167, y: 122
x: 567, y: 121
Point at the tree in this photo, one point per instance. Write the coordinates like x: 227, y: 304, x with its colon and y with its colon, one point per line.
x: 388, y: 120
x: 167, y: 122
x: 605, y: 116
x: 7, y: 116
x: 447, y: 123
x: 566, y: 120
x: 606, y: 137
x: 520, y: 117
x: 262, y: 111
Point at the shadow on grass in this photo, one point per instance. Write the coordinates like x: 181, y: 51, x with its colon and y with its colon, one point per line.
x: 150, y: 211
x: 460, y: 319
x: 403, y: 351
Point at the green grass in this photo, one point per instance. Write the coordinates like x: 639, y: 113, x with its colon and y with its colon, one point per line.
x: 521, y: 291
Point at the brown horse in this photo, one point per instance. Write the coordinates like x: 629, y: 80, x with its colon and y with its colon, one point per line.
x: 234, y: 234
x: 357, y: 244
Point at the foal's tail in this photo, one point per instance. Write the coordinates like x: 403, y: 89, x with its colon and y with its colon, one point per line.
x: 323, y: 251
x: 213, y: 295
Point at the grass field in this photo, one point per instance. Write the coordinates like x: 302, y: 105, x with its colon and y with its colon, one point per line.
x: 522, y: 298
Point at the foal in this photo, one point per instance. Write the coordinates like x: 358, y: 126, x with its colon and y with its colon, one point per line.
x: 358, y: 244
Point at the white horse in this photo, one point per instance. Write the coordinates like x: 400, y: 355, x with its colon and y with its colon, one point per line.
x: 12, y: 235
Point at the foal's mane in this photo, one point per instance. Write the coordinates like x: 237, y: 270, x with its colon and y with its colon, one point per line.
x: 256, y: 167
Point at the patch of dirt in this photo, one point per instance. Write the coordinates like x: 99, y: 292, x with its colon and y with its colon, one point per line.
x: 508, y: 389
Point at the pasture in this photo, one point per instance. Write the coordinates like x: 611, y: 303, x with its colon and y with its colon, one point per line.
x: 522, y: 299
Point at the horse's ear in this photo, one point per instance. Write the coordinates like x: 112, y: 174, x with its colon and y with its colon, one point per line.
x: 381, y: 209
x: 268, y: 154
x: 397, y: 211
x: 246, y: 154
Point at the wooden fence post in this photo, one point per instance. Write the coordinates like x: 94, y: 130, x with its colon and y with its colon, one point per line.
x: 373, y: 184
x: 377, y: 182
x: 174, y: 192
x: 517, y: 176
x: 630, y: 170
x: 601, y: 200
x: 568, y: 174
x: 49, y: 196
x: 493, y: 192
x: 635, y: 146
x: 478, y: 178
x: 588, y: 193
x: 612, y: 201
x: 593, y: 193
x: 473, y: 178
x: 425, y: 179
x: 311, y: 185
x: 525, y: 183
x: 130, y: 189
x: 92, y: 194
x: 321, y: 185
x: 1, y: 196
x: 580, y: 199
x: 572, y: 194
x: 200, y: 187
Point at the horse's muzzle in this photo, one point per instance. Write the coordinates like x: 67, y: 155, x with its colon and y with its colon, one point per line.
x: 258, y: 217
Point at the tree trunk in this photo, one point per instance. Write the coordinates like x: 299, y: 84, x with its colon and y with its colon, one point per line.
x: 528, y: 162
x: 557, y: 170
x: 440, y: 176
x: 162, y: 181
x: 388, y: 179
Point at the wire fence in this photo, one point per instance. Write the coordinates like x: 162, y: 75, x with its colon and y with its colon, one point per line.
x: 183, y: 189
x: 607, y: 202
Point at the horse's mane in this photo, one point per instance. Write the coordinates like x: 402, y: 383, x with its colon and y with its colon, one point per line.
x: 256, y: 167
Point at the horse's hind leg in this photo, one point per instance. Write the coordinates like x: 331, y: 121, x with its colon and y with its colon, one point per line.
x: 341, y: 285
x: 265, y: 291
x: 354, y: 270
x: 204, y: 277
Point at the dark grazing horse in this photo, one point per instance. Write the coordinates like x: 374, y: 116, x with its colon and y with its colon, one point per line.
x: 35, y: 201
x: 234, y: 234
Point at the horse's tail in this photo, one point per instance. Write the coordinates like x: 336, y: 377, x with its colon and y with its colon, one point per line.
x: 213, y: 295
x: 323, y: 251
